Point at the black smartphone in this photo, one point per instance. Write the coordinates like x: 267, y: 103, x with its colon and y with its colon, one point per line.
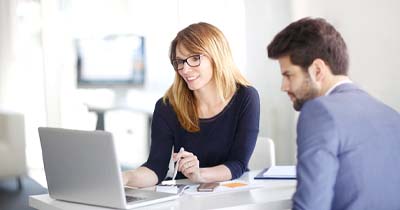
x: 207, y: 187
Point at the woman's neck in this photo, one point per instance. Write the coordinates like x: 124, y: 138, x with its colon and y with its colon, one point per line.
x: 209, y: 102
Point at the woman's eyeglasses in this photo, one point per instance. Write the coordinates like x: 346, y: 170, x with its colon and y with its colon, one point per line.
x: 192, y: 61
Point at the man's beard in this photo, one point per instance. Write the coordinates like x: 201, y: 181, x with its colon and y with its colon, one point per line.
x: 307, y: 91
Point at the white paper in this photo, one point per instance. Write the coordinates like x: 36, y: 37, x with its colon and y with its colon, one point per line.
x: 223, y: 188
x: 175, y: 189
x: 167, y: 189
x: 281, y: 172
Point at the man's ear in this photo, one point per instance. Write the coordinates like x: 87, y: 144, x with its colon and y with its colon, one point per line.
x: 318, y: 70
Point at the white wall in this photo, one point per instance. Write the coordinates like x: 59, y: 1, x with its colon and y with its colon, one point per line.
x: 264, y: 18
x: 228, y: 15
x: 371, y: 30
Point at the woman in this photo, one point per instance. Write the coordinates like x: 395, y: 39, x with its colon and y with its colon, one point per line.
x: 210, y: 110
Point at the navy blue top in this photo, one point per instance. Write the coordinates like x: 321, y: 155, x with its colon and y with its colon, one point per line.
x: 227, y: 138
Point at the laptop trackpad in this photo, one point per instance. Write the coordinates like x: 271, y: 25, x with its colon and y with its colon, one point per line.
x: 130, y: 198
x: 145, y: 194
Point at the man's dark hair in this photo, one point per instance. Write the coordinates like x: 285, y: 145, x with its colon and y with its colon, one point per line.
x: 308, y: 39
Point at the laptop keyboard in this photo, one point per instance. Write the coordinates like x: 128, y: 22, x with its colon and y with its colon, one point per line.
x: 132, y: 198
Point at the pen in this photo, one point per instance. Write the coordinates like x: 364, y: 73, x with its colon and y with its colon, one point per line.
x: 172, y: 182
x: 177, y: 164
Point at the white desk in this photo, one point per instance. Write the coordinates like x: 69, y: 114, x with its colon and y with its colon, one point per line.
x: 275, y: 194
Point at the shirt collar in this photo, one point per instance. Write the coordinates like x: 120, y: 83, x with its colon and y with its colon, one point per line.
x: 337, y: 84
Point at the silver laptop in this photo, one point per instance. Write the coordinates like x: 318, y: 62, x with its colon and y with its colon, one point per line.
x: 82, y: 167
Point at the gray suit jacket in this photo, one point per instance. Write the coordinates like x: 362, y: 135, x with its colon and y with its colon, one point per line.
x: 348, y: 153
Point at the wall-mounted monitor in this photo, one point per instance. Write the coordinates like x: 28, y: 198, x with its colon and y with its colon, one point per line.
x: 111, y: 61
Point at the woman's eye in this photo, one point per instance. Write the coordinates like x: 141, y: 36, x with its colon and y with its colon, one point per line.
x: 195, y: 58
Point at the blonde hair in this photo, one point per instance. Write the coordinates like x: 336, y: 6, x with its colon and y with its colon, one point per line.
x: 206, y: 39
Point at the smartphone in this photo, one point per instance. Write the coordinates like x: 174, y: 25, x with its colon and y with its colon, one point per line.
x: 207, y: 187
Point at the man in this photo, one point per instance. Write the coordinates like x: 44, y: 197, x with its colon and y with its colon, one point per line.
x: 348, y: 142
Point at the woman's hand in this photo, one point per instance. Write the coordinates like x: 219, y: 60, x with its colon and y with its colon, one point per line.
x: 125, y: 178
x: 189, y: 166
x: 140, y: 177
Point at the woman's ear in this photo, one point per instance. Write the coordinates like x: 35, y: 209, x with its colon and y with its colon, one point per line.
x: 318, y: 70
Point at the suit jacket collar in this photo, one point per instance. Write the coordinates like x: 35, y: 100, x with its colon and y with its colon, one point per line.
x: 344, y: 88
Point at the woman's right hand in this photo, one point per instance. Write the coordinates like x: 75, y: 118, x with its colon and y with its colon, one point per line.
x: 125, y: 177
x: 140, y: 177
x: 189, y: 165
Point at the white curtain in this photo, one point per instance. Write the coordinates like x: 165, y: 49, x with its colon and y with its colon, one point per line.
x: 7, y: 52
x: 21, y: 69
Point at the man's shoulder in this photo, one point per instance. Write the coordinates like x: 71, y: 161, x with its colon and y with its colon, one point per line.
x: 349, y: 104
x: 340, y: 98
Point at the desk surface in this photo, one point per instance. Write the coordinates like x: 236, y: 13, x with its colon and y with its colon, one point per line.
x: 274, y: 194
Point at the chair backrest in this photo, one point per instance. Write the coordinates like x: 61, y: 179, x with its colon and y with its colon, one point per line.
x: 263, y: 155
x: 12, y: 144
x: 12, y: 128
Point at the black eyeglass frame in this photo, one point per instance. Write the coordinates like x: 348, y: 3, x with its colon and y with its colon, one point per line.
x: 186, y: 61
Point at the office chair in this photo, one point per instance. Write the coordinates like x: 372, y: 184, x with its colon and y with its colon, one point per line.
x: 12, y: 146
x: 263, y: 155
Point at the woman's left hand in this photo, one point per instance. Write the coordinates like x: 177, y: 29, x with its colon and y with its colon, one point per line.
x: 189, y: 166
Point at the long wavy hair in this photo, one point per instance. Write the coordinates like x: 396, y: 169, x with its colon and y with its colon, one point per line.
x: 202, y: 38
